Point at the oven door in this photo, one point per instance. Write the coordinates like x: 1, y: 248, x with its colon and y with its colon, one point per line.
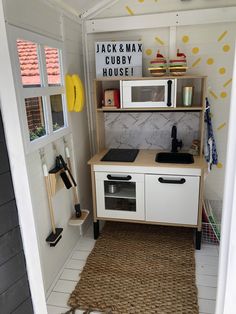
x: 148, y: 93
x: 120, y: 195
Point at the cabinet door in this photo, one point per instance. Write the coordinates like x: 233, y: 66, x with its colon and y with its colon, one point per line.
x: 120, y: 195
x: 172, y: 199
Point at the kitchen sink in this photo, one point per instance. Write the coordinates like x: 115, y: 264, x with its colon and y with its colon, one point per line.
x: 175, y: 158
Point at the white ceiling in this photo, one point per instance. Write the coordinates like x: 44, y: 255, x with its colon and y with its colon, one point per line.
x: 78, y: 7
x: 81, y: 5
x: 95, y: 7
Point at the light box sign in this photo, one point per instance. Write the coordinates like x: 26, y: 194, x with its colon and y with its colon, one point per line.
x: 123, y: 58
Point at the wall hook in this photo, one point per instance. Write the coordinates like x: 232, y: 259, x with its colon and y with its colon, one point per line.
x: 42, y: 154
x: 64, y: 140
x: 54, y: 146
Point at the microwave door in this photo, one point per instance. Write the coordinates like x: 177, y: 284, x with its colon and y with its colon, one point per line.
x: 148, y: 96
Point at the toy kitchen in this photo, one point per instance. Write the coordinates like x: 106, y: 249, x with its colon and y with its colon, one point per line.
x: 149, y: 167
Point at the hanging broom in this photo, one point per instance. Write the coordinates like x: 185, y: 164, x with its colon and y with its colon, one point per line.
x: 75, y: 191
x: 55, y: 235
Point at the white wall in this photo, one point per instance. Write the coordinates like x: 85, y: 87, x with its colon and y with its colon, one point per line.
x: 39, y: 17
x: 74, y: 64
x: 226, y: 293
x: 209, y: 50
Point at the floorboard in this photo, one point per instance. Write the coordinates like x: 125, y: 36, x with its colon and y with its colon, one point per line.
x: 58, y: 299
x: 70, y: 274
x: 65, y: 286
x: 206, y: 276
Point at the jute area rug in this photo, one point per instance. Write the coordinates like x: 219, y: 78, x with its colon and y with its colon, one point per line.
x: 136, y: 268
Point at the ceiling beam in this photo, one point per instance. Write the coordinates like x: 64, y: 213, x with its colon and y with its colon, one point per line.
x: 64, y: 8
x: 98, y: 8
x: 169, y: 19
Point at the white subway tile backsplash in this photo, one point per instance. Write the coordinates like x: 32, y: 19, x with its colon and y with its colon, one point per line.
x: 150, y: 130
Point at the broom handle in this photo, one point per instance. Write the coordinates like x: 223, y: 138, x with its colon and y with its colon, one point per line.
x: 48, y: 188
x: 75, y: 192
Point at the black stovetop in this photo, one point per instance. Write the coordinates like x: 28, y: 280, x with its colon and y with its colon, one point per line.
x: 121, y: 154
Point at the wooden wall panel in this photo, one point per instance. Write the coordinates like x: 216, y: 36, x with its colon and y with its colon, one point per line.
x: 2, y: 137
x: 4, y: 164
x: 14, y: 287
x: 15, y: 296
x: 12, y: 271
x: 10, y: 245
x: 6, y: 188
x: 8, y: 217
x: 24, y: 308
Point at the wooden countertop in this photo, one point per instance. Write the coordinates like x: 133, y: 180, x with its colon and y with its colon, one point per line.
x: 146, y: 158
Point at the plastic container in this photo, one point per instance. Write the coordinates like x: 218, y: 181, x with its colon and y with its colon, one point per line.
x: 209, y: 234
x: 112, y: 188
x: 187, y: 95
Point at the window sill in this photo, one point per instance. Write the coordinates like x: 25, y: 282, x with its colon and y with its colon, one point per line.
x: 31, y: 147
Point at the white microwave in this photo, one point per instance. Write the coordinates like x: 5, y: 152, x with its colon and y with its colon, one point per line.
x: 148, y: 93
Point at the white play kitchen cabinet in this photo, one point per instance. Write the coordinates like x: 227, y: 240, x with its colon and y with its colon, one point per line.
x: 169, y: 199
x: 147, y: 191
x: 172, y: 199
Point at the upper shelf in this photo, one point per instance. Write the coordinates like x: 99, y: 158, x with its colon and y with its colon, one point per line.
x: 192, y: 108
x: 133, y: 78
x: 198, y: 83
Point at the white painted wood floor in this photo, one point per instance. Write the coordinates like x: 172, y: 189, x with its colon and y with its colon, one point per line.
x: 206, y: 276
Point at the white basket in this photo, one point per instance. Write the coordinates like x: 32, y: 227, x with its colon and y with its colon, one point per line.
x: 210, y: 234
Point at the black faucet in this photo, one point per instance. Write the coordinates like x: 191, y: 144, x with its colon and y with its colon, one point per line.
x: 175, y: 142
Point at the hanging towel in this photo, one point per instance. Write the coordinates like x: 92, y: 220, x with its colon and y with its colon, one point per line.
x: 210, y: 144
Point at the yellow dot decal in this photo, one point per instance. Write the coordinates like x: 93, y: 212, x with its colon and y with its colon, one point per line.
x: 148, y: 52
x: 221, y: 126
x: 185, y: 39
x: 195, y: 50
x: 226, y: 48
x: 129, y: 10
x: 213, y: 94
x: 210, y: 61
x: 223, y: 94
x: 222, y: 36
x: 227, y: 83
x: 141, y: 1
x: 219, y: 165
x: 195, y: 63
x: 159, y: 40
x: 222, y: 71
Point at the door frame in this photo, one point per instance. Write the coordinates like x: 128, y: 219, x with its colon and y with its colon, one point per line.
x: 226, y: 291
x: 226, y: 294
x: 18, y: 165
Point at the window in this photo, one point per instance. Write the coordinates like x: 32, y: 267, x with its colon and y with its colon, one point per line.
x: 39, y: 74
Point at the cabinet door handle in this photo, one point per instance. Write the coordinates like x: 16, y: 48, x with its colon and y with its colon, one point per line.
x: 169, y: 181
x: 169, y: 90
x: 110, y: 177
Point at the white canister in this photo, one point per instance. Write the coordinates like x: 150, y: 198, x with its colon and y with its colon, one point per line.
x: 112, y: 188
x: 187, y: 95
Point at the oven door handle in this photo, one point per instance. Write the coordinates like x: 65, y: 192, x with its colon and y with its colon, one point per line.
x: 126, y: 178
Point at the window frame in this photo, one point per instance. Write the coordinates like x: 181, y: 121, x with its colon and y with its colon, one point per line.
x: 44, y: 91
